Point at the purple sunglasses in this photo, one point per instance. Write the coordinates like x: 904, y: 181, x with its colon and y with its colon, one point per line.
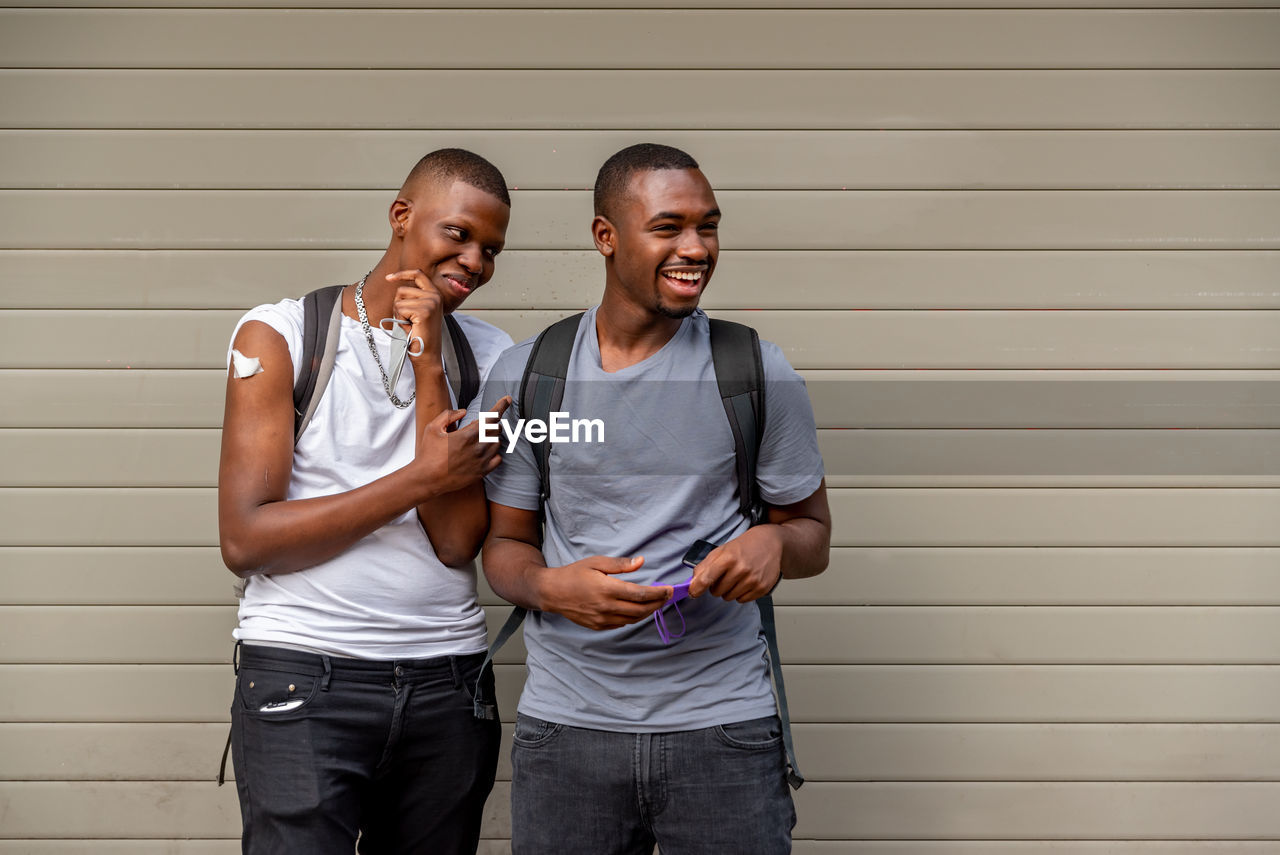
x: 692, y: 558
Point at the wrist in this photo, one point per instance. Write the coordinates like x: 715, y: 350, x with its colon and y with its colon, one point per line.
x: 542, y: 586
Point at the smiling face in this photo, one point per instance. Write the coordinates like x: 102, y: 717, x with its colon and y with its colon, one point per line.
x: 662, y: 241
x: 452, y: 234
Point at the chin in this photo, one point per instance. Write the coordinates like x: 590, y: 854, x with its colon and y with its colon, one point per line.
x: 676, y: 312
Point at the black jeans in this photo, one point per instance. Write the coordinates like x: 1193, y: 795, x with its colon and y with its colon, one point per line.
x: 328, y: 749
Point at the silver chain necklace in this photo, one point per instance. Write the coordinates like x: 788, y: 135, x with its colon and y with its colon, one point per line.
x: 373, y: 348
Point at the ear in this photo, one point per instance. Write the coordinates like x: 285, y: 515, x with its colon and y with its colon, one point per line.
x: 398, y: 215
x: 604, y: 235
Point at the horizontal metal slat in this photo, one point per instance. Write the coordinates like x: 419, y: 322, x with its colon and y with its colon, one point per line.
x: 530, y: 100
x: 826, y: 752
x: 565, y: 38
x: 860, y: 517
x: 809, y: 635
x: 853, y: 458
x: 1207, y: 399
x: 745, y: 279
x: 871, y: 810
x: 735, y: 160
x: 901, y: 576
x: 794, y: 220
x: 1173, y: 694
x: 969, y: 339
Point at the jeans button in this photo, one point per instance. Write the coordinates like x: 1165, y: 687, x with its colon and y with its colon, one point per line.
x: 399, y: 671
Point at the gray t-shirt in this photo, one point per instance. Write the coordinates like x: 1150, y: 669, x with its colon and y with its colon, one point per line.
x: 663, y: 477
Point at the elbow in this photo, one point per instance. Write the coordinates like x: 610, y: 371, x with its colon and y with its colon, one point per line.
x: 238, y: 558
x: 455, y: 550
x: 454, y: 555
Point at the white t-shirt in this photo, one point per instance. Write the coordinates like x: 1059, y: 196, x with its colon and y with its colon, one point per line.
x: 387, y: 596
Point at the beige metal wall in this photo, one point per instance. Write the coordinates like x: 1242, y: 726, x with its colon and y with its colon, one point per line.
x: 1028, y: 259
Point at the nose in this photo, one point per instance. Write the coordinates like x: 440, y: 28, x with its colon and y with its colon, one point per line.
x: 693, y: 248
x: 471, y: 258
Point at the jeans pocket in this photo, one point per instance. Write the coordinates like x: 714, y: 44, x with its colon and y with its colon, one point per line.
x: 271, y: 693
x: 757, y: 734
x: 533, y: 732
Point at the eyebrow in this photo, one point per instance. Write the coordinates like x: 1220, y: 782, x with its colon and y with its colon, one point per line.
x: 669, y: 215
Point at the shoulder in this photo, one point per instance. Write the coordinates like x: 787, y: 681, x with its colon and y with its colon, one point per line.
x: 772, y: 359
x: 510, y: 363
x: 775, y: 362
x: 284, y: 318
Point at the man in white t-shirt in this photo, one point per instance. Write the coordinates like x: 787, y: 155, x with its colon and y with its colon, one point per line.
x: 359, y: 633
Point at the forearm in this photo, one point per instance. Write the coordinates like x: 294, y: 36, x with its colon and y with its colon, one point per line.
x: 515, y: 571
x: 806, y: 547
x: 456, y: 522
x: 285, y: 536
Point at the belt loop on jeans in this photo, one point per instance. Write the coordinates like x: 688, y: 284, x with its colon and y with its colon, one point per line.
x: 328, y: 672
x: 235, y: 658
x: 456, y: 671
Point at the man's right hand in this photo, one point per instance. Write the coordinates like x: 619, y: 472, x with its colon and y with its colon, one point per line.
x: 450, y: 460
x: 589, y: 593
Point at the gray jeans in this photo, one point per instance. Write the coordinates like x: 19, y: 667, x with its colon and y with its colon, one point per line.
x: 699, y: 792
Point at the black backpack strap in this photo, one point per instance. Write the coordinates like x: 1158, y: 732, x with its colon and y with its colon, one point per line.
x: 460, y: 363
x: 542, y: 389
x: 321, y: 320
x: 735, y: 353
x: 541, y: 392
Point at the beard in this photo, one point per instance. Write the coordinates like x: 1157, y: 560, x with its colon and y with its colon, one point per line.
x: 675, y: 313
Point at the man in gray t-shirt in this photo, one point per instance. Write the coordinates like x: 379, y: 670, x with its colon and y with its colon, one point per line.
x: 622, y: 739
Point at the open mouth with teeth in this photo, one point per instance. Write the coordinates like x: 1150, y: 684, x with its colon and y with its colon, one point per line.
x: 688, y: 282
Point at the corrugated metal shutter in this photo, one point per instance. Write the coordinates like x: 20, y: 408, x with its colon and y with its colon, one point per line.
x: 1026, y: 257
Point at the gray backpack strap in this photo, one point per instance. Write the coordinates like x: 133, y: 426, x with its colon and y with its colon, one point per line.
x: 735, y: 353
x: 541, y: 392
x: 460, y: 366
x: 321, y: 320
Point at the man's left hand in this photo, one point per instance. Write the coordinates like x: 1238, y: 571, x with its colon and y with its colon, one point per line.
x: 744, y: 569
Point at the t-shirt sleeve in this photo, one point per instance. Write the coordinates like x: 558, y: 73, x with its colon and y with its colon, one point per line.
x: 516, y: 482
x: 285, y: 318
x: 790, y: 465
x: 487, y: 344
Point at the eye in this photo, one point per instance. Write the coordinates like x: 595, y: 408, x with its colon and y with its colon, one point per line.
x: 709, y: 227
x: 666, y: 228
x: 457, y: 233
x: 491, y: 253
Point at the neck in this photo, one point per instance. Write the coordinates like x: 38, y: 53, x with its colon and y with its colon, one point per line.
x: 378, y: 294
x: 628, y: 333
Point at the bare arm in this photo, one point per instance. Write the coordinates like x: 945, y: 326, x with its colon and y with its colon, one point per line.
x: 587, y: 592
x: 793, y: 544
x: 261, y: 532
x: 454, y: 522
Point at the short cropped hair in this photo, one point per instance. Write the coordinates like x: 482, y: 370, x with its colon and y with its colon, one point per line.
x: 458, y: 164
x: 615, y: 176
